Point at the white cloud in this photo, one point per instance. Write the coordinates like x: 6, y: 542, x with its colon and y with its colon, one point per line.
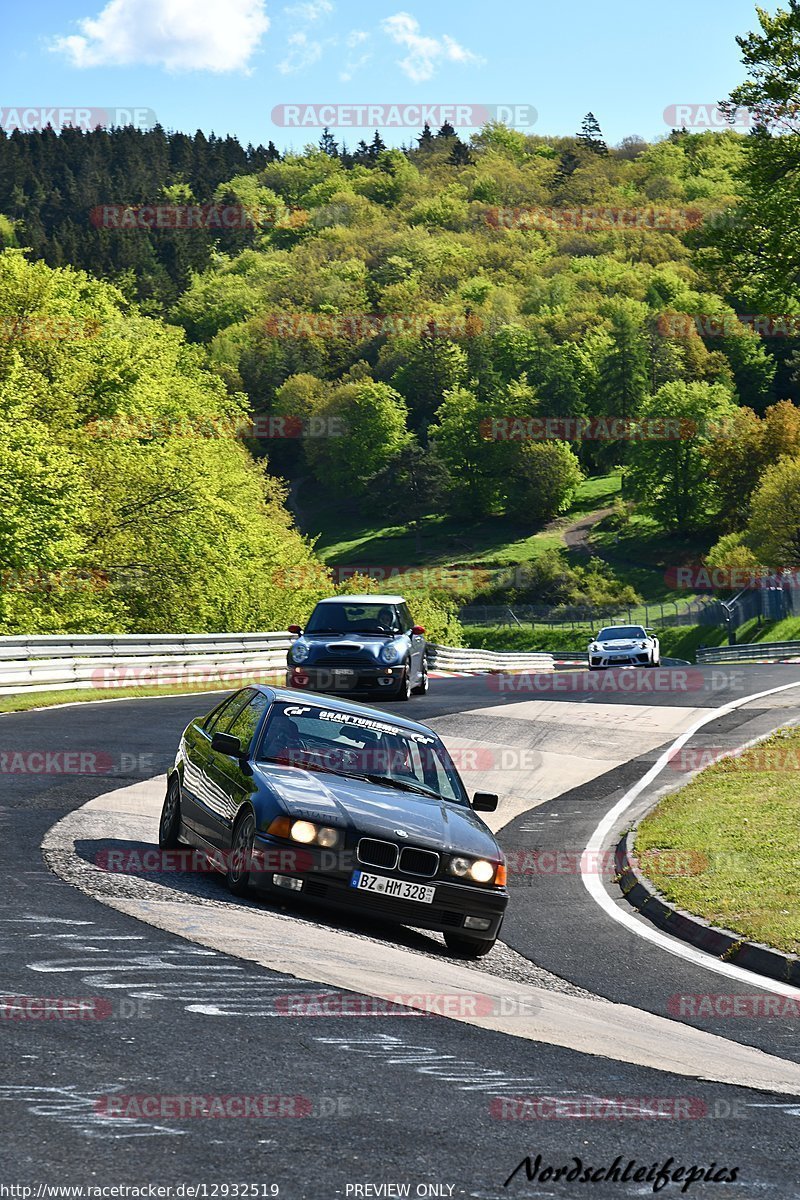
x: 424, y: 53
x: 302, y: 53
x: 310, y: 11
x: 354, y: 62
x: 181, y: 35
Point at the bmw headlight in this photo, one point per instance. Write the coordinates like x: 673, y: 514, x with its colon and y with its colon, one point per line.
x: 300, y: 651
x: 308, y: 833
x: 479, y: 870
x: 390, y: 653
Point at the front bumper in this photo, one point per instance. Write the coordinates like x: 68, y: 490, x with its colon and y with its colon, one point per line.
x: 361, y: 677
x: 635, y: 658
x: 321, y: 884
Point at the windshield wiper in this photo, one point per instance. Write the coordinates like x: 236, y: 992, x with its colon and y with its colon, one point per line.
x: 390, y: 781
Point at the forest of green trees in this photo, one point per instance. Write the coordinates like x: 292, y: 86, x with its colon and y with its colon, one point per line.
x: 398, y: 304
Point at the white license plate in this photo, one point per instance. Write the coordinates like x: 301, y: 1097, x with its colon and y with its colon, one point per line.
x: 399, y: 888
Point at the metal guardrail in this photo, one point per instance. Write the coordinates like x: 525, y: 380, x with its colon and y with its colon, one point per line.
x: 750, y: 652
x: 453, y: 658
x: 57, y: 663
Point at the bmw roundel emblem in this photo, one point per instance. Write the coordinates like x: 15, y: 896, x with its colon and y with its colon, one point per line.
x: 401, y: 833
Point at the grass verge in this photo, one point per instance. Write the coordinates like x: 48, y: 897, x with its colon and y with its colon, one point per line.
x: 25, y: 701
x: 739, y: 823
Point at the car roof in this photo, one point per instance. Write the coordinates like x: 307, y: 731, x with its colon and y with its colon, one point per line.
x: 362, y: 600
x: 345, y: 706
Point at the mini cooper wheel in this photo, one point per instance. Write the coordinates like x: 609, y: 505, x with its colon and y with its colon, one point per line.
x: 422, y: 687
x: 468, y: 947
x: 237, y: 877
x: 170, y: 824
x: 403, y: 689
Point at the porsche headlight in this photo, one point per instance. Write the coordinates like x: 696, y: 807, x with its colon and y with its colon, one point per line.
x: 300, y: 651
x: 390, y: 653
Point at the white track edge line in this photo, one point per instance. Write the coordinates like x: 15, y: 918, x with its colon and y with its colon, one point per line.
x: 593, y: 881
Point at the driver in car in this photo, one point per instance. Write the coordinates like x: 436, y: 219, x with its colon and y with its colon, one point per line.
x: 385, y: 619
x: 283, y: 742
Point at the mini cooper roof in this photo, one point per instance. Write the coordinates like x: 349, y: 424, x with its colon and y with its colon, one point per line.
x: 362, y: 600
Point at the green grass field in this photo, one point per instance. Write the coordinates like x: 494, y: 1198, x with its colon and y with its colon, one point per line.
x: 347, y: 536
x: 738, y: 822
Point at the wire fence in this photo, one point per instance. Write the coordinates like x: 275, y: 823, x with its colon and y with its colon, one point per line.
x: 764, y: 603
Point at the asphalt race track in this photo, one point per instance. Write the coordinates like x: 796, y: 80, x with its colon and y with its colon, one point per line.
x: 183, y: 986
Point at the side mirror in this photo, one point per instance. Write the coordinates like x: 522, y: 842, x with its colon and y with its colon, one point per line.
x: 295, y: 629
x: 226, y: 743
x: 485, y: 801
x: 418, y: 629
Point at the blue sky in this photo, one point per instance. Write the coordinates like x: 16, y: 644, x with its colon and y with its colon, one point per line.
x: 225, y: 66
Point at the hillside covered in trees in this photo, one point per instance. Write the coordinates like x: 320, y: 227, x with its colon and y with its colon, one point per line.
x: 414, y: 314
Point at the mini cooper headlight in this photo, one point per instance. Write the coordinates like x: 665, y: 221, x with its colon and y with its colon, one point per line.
x: 390, y: 653
x: 299, y: 651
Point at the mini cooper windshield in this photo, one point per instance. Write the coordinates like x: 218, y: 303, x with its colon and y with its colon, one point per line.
x: 315, y: 738
x: 354, y: 618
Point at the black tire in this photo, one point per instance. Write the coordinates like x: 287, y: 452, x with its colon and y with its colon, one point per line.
x: 403, y: 690
x: 422, y: 687
x: 169, y: 825
x: 468, y: 947
x: 237, y: 876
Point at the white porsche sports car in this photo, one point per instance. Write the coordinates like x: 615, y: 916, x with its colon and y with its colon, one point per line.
x: 624, y: 645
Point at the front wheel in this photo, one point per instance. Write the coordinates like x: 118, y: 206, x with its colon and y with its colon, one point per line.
x: 169, y: 826
x: 237, y: 877
x: 404, y: 687
x: 422, y: 687
x: 467, y: 947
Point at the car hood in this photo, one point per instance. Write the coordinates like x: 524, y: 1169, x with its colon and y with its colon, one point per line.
x: 349, y: 645
x: 622, y: 644
x: 376, y: 811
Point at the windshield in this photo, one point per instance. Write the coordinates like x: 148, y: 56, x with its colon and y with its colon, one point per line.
x: 325, y: 739
x: 626, y: 633
x: 354, y: 618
